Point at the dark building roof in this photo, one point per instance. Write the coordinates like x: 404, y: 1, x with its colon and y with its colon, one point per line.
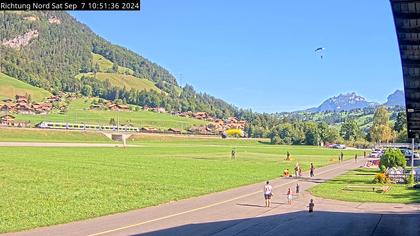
x: 407, y: 24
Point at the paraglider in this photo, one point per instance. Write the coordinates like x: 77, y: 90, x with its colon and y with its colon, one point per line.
x: 320, y: 51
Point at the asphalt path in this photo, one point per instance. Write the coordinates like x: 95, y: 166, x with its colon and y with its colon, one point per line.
x: 241, y: 211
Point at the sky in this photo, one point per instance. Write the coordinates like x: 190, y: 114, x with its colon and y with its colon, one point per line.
x: 260, y: 55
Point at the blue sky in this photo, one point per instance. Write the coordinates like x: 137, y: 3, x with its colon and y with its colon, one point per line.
x: 260, y: 54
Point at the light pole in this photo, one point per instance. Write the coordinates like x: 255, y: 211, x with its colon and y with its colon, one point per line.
x: 412, y: 152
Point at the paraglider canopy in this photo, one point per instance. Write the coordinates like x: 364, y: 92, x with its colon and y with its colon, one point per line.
x: 320, y: 51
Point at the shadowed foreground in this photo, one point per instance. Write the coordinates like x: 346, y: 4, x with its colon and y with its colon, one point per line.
x: 303, y: 223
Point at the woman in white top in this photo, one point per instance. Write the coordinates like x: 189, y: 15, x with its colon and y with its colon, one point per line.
x: 289, y: 196
x: 268, y: 192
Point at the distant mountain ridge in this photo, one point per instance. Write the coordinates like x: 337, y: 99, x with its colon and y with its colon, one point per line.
x: 351, y: 101
x: 396, y: 99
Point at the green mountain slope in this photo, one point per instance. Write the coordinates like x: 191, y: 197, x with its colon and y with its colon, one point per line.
x: 9, y: 87
x: 123, y: 81
x: 106, y: 65
x: 49, y: 49
x: 56, y: 47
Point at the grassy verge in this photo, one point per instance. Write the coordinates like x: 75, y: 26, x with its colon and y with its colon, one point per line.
x: 45, y: 186
x: 333, y: 189
x: 37, y: 135
x: 79, y: 112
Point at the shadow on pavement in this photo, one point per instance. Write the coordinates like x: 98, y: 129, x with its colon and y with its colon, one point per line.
x: 303, y: 223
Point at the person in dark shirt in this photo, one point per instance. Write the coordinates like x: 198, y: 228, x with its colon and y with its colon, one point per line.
x: 311, y: 206
x: 312, y: 169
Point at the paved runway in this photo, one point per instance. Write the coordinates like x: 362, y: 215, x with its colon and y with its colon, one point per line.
x: 241, y: 211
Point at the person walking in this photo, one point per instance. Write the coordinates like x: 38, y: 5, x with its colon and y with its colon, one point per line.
x: 355, y: 158
x: 311, y: 206
x: 289, y: 196
x: 312, y: 169
x: 268, y: 192
x: 296, y: 170
x: 233, y: 154
x: 342, y: 156
x: 297, y: 188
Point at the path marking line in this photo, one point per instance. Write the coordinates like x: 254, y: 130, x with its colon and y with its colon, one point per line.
x: 203, y: 207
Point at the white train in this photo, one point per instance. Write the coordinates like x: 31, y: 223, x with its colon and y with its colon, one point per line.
x: 72, y: 126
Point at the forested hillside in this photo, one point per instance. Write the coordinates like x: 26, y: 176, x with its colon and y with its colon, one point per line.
x: 51, y: 50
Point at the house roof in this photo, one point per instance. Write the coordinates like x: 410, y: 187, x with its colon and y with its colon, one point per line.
x: 407, y: 24
x: 7, y: 117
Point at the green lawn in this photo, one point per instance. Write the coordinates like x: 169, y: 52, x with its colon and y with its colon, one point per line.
x: 333, y: 189
x: 79, y: 112
x: 10, y: 86
x: 31, y: 135
x: 44, y: 186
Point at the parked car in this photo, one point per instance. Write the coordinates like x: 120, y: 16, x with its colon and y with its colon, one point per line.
x: 408, y: 153
x: 376, y: 153
x: 339, y: 146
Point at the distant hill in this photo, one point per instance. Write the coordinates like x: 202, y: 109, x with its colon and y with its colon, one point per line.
x: 9, y: 87
x: 396, y: 99
x: 343, y: 102
x: 52, y: 50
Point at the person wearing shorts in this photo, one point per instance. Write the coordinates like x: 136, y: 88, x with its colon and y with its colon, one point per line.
x: 289, y: 196
x: 268, y: 192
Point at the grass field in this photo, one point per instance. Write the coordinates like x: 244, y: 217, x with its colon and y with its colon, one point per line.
x: 44, y: 186
x: 105, y: 64
x: 333, y: 189
x: 79, y: 112
x: 31, y: 135
x: 9, y: 87
x: 122, y: 80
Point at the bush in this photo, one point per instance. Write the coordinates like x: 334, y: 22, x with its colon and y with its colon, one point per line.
x: 410, y: 179
x: 382, y: 168
x: 392, y: 158
x: 381, y: 178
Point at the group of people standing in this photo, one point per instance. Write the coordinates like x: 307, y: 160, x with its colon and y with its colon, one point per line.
x: 268, y: 189
x: 298, y: 171
x: 268, y: 193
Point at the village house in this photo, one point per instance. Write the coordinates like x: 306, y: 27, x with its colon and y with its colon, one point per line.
x: 23, y: 108
x: 154, y: 109
x: 7, y: 108
x: 149, y: 129
x: 122, y: 107
x: 231, y: 120
x: 9, y: 120
x: 53, y: 98
x: 200, y: 115
x: 7, y: 100
x: 159, y: 110
x: 42, y: 108
x: 175, y: 131
x: 21, y: 99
